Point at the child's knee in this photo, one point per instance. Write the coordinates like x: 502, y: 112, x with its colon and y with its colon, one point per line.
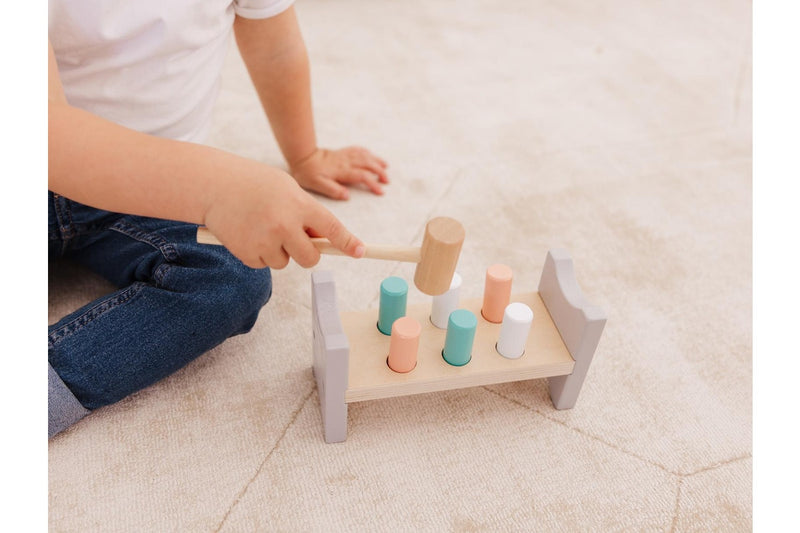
x: 254, y: 291
x: 244, y: 292
x: 225, y: 295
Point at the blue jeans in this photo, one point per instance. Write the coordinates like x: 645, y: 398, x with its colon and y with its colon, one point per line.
x: 176, y: 300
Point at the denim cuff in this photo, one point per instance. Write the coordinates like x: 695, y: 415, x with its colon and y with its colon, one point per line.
x: 63, y: 408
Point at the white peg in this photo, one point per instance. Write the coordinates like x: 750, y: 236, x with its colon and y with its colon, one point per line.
x: 517, y: 320
x: 446, y: 303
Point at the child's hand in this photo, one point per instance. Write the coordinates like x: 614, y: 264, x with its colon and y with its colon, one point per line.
x: 328, y: 171
x: 264, y: 218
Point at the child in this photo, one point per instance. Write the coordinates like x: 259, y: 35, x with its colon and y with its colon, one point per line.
x: 131, y: 90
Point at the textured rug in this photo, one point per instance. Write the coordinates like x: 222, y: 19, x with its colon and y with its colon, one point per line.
x: 620, y: 131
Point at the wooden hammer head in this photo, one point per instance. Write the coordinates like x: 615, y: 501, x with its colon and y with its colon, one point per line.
x: 439, y: 253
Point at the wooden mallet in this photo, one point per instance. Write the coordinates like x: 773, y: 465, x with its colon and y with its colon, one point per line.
x: 436, y: 259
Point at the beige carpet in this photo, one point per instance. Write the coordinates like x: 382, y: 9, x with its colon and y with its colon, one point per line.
x: 620, y: 130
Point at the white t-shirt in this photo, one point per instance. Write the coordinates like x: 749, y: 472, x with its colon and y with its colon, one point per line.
x: 150, y: 65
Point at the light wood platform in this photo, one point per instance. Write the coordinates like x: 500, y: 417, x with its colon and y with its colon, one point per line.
x: 370, y: 377
x: 349, y: 353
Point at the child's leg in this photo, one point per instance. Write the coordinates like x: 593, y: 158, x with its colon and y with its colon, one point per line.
x: 177, y: 299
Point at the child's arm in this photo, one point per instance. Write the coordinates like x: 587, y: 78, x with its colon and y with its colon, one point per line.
x: 259, y: 212
x: 277, y: 60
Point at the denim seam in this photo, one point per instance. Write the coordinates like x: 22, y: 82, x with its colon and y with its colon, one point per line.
x: 167, y: 249
x: 56, y: 232
x: 65, y: 224
x: 160, y: 274
x: 92, y: 314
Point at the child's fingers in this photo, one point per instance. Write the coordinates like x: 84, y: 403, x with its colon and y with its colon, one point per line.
x: 311, y: 232
x: 372, y: 164
x: 302, y: 250
x: 331, y: 189
x: 365, y: 159
x: 365, y: 177
x: 360, y: 156
x: 323, y: 223
x: 274, y: 258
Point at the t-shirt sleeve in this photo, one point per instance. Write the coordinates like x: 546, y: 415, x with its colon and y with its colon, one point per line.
x: 260, y: 9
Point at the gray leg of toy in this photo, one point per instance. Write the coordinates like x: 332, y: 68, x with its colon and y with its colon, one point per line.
x: 331, y: 354
x: 579, y: 323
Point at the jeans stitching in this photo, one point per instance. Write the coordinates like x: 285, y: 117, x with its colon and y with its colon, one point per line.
x: 54, y: 233
x: 95, y: 312
x: 167, y: 249
x: 160, y: 273
x: 65, y: 222
x: 64, y: 218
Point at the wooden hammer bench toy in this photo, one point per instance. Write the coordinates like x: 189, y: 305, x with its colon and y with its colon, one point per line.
x: 399, y: 350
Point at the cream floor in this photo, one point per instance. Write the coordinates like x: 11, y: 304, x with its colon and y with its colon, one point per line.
x: 620, y: 130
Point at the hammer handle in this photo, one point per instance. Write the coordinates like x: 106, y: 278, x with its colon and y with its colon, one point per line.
x: 408, y: 254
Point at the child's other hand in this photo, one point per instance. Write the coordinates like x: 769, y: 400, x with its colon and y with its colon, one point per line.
x: 264, y: 218
x: 328, y: 172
